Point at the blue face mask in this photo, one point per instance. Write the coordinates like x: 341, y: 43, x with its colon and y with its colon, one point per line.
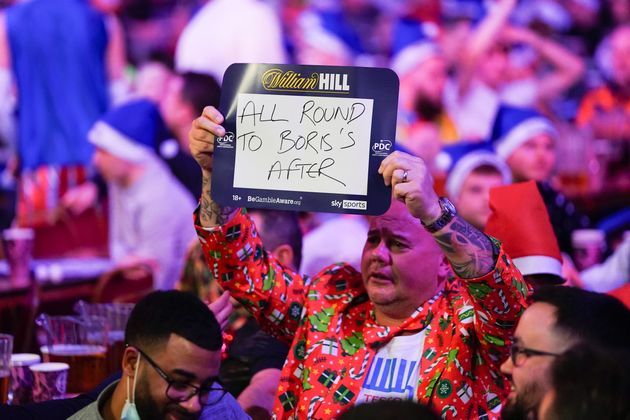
x: 129, y: 411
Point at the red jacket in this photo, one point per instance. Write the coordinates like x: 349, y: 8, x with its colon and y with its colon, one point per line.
x: 329, y: 322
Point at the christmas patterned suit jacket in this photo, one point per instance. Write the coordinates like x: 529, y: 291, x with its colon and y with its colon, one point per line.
x: 329, y: 322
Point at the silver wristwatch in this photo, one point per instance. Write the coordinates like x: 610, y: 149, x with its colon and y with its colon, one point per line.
x: 448, y: 212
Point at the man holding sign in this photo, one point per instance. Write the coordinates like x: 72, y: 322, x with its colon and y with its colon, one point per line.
x: 403, y: 328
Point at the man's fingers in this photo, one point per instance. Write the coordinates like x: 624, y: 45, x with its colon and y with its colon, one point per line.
x: 223, y: 300
x: 402, y: 189
x: 398, y: 176
x: 208, y: 125
x: 213, y: 114
x: 393, y: 172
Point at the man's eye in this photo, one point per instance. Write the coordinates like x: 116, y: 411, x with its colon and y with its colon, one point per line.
x: 180, y: 386
x: 397, y: 244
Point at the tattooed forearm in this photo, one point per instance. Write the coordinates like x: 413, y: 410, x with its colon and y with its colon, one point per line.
x: 469, y: 251
x: 210, y: 213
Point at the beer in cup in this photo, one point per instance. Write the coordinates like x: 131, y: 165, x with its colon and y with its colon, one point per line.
x: 88, y: 364
x: 116, y: 315
x: 50, y: 381
x: 6, y: 347
x: 22, y: 380
x: 18, y: 250
x: 79, y: 342
x: 589, y: 246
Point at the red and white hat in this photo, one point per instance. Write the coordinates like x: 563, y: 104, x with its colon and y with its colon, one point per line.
x: 519, y: 219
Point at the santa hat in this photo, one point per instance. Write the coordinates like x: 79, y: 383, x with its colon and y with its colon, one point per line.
x: 413, y: 44
x: 129, y: 131
x: 461, y: 159
x: 514, y: 126
x: 519, y: 219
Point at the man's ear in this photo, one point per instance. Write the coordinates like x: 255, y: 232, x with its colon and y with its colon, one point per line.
x: 284, y: 255
x: 129, y: 360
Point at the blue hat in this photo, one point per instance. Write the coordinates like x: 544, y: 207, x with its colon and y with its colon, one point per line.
x: 129, y: 131
x: 413, y: 44
x: 459, y: 160
x: 473, y: 10
x: 336, y: 23
x: 409, y: 31
x: 514, y: 126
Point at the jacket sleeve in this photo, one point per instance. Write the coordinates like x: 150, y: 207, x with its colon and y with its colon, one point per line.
x: 497, y: 301
x: 273, y: 293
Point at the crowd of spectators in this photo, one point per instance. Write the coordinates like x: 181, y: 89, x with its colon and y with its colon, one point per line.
x: 98, y: 102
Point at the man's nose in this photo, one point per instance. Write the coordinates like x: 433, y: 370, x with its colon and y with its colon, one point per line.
x: 380, y: 252
x: 507, y: 366
x: 192, y: 405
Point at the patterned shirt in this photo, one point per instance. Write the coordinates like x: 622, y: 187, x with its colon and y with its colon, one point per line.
x: 330, y: 324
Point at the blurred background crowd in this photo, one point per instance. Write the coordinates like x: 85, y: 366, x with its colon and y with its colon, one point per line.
x: 542, y: 84
x: 97, y: 98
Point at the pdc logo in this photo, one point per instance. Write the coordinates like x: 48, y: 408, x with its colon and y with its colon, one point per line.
x: 226, y: 141
x: 382, y: 148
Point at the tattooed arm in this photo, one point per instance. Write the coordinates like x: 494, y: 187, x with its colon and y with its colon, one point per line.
x: 211, y: 213
x: 470, y: 252
x: 201, y: 136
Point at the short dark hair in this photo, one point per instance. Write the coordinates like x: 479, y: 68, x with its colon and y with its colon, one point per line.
x: 598, y: 380
x: 280, y: 228
x: 162, y: 313
x: 389, y: 410
x: 589, y: 317
x: 200, y: 90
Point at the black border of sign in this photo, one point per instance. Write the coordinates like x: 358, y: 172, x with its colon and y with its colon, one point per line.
x: 379, y: 84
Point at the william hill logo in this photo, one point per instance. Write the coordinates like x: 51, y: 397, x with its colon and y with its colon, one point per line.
x: 276, y: 79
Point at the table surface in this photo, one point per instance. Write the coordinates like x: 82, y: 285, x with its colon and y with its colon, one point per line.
x: 54, y: 276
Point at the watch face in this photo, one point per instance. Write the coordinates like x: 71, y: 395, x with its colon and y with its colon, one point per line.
x: 448, y: 206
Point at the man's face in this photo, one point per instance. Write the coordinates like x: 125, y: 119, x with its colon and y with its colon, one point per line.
x: 531, y: 379
x: 176, y: 111
x: 112, y: 169
x: 400, y: 260
x: 430, y: 78
x: 183, y: 361
x: 620, y: 49
x: 535, y: 159
x: 493, y: 67
x: 473, y: 201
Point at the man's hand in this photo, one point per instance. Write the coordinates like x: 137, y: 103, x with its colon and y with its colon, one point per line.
x: 469, y: 251
x: 204, y: 130
x: 80, y: 198
x: 415, y: 189
x: 515, y: 34
x: 222, y: 308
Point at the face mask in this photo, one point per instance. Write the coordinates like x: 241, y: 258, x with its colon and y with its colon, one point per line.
x: 129, y: 411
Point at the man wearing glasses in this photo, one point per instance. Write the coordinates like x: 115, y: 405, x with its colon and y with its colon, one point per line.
x: 170, y: 367
x: 558, y: 319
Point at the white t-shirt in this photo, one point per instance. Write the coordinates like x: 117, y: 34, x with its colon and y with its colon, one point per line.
x: 393, y: 374
x: 229, y: 31
x: 151, y: 219
x: 474, y: 113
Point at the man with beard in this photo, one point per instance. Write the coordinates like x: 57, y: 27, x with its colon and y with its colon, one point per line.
x: 423, y: 72
x: 170, y: 366
x: 558, y: 319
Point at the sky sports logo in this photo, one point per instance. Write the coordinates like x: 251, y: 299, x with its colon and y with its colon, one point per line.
x: 354, y: 204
